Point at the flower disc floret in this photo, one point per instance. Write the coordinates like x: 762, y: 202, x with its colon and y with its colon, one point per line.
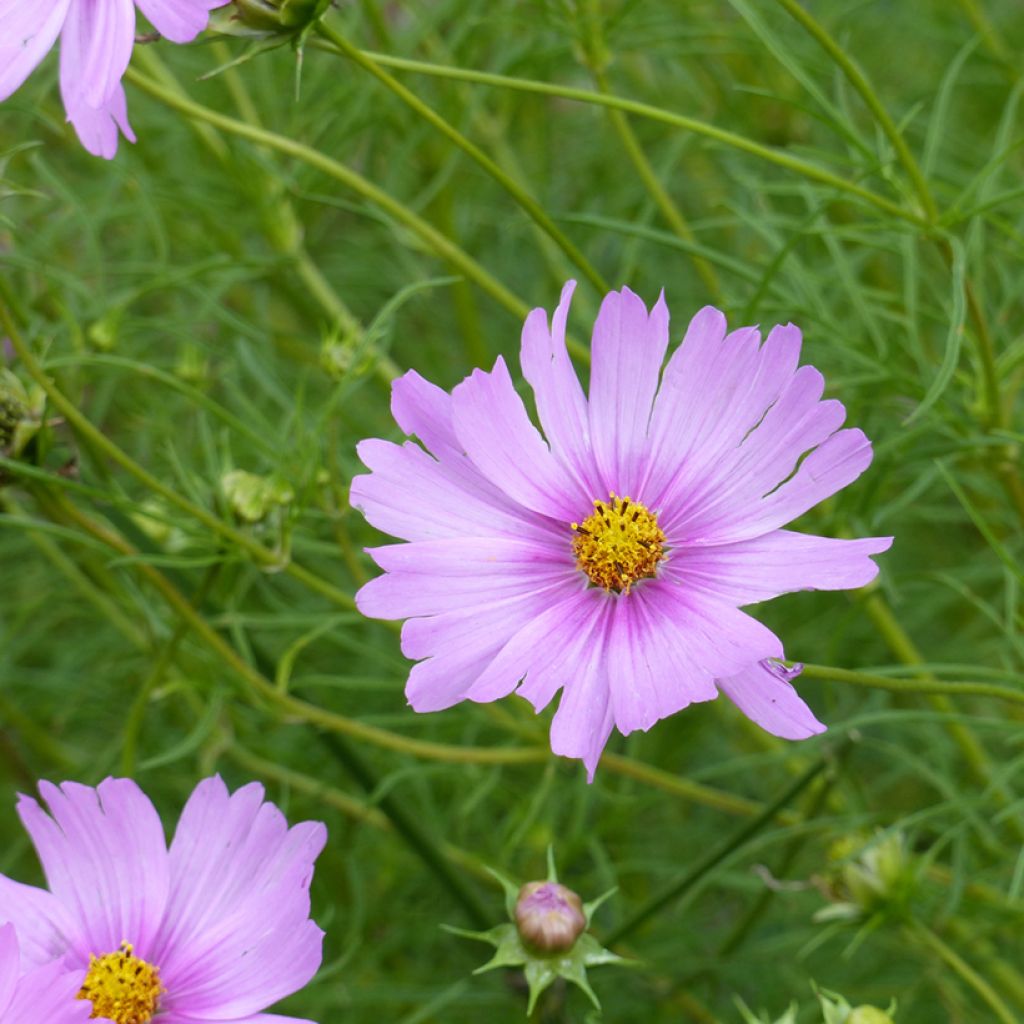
x: 122, y: 987
x: 618, y: 544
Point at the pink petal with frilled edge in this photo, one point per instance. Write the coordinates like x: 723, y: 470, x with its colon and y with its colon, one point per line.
x: 10, y: 965
x: 179, y: 20
x: 48, y: 994
x: 628, y: 349
x: 95, y: 47
x: 584, y: 719
x: 561, y: 404
x: 97, y: 128
x: 715, y: 390
x: 765, y: 695
x: 28, y: 31
x: 777, y: 563
x: 425, y: 411
x: 444, y: 576
x: 259, y: 1018
x: 105, y: 859
x: 45, y: 929
x: 459, y: 645
x: 666, y: 646
x: 237, y: 937
x: 494, y: 430
x: 410, y: 495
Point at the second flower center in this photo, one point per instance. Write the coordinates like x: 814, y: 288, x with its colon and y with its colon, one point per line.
x: 618, y: 544
x: 122, y: 987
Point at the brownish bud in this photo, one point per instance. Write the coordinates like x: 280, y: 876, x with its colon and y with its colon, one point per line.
x: 549, y: 917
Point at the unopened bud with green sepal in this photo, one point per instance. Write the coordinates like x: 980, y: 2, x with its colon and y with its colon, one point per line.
x: 546, y: 936
x: 252, y: 498
x: 836, y: 1010
x: 21, y: 413
x: 271, y: 17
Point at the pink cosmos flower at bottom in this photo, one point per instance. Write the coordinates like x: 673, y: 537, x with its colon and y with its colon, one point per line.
x: 96, y: 40
x: 43, y: 994
x: 609, y: 558
x: 213, y: 929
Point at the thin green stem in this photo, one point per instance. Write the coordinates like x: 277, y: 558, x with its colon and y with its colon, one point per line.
x: 266, y: 690
x: 532, y: 208
x: 859, y: 81
x: 428, y: 234
x: 922, y: 684
x: 905, y: 650
x: 719, y: 853
x: 963, y: 970
x: 653, y: 113
x: 162, y: 661
x: 419, y: 839
x: 102, y: 444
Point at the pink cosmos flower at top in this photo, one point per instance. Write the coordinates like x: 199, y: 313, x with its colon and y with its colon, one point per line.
x: 211, y: 930
x: 610, y: 560
x: 96, y: 39
x: 42, y: 994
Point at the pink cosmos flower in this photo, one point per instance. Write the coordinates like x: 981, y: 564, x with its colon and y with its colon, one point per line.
x: 212, y: 930
x: 43, y: 994
x: 611, y: 560
x: 96, y: 39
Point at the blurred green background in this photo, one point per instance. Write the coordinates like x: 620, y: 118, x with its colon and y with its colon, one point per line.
x: 215, y: 299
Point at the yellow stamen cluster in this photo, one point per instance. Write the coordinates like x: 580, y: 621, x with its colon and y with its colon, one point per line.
x: 122, y: 987
x: 618, y: 544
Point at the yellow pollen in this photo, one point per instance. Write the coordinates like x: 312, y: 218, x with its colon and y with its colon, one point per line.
x: 618, y: 544
x: 122, y: 987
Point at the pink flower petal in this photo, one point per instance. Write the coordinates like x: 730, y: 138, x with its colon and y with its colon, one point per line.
x: 95, y: 47
x: 495, y: 431
x: 10, y: 966
x: 667, y: 644
x: 584, y: 719
x: 104, y: 856
x: 764, y: 694
x: 628, y: 350
x: 429, y: 587
x: 777, y: 563
x: 422, y: 409
x: 237, y: 936
x: 27, y: 33
x: 45, y: 929
x: 459, y: 645
x: 179, y: 20
x: 48, y: 994
x: 715, y: 390
x: 97, y: 127
x: 561, y: 404
x: 450, y: 501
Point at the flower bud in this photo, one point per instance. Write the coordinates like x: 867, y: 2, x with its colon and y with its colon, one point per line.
x: 277, y: 16
x: 252, y: 498
x: 868, y: 1015
x: 549, y: 917
x: 12, y: 412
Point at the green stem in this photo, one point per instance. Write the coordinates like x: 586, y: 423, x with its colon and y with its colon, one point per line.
x: 859, y: 81
x: 719, y: 853
x: 265, y: 689
x: 428, y: 234
x: 653, y: 113
x: 964, y: 971
x: 163, y: 659
x: 906, y: 651
x: 102, y: 444
x: 426, y: 846
x: 922, y: 684
x: 792, y: 850
x: 532, y: 208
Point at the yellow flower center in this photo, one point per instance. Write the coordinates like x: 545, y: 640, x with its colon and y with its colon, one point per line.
x: 122, y: 987
x: 618, y: 544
